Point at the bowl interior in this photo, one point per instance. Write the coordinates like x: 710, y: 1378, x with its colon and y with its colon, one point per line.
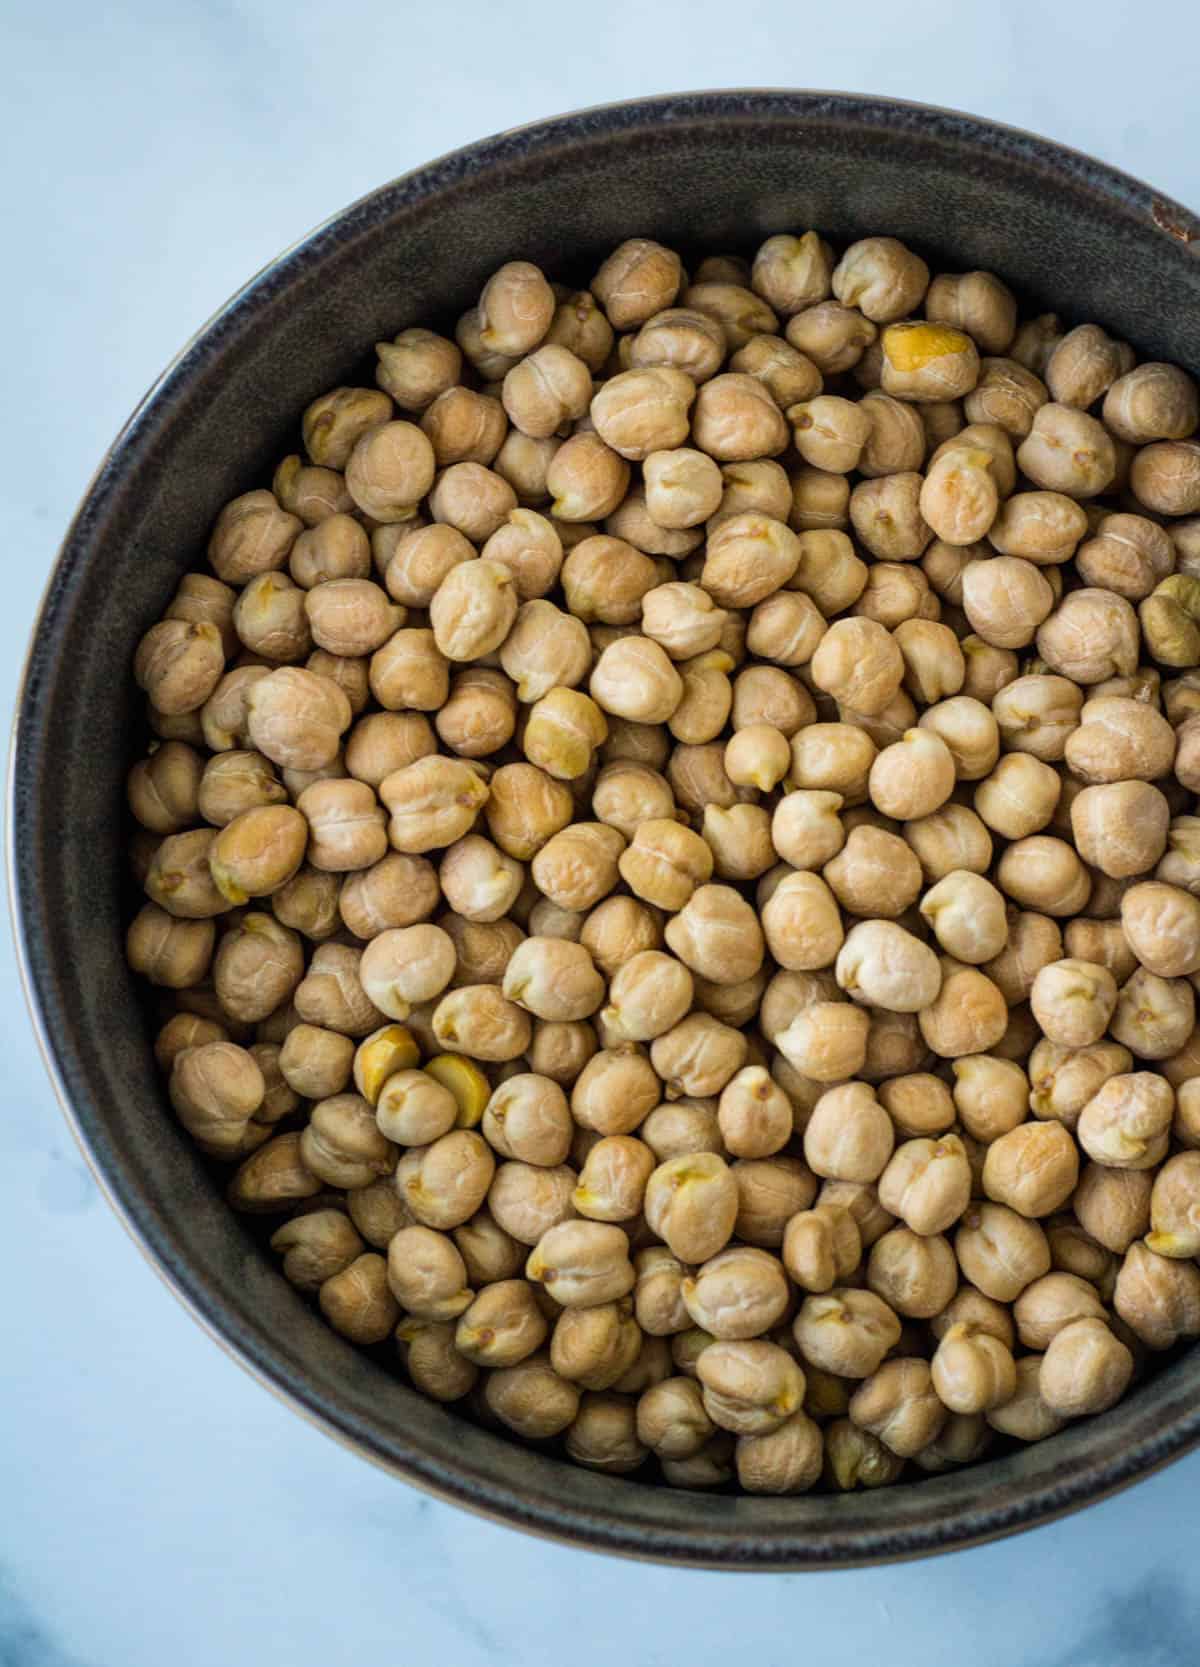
x: 716, y: 172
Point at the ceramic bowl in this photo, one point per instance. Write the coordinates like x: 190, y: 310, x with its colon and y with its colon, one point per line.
x: 713, y: 171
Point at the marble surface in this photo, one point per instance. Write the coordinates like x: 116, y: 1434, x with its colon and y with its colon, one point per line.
x: 155, y: 1504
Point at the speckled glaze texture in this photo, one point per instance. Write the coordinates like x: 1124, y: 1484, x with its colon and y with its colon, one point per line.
x: 716, y: 170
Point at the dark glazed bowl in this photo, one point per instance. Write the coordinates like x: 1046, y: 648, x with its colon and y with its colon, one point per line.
x: 714, y: 170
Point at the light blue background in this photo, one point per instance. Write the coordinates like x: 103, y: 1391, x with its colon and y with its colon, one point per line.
x: 156, y: 1506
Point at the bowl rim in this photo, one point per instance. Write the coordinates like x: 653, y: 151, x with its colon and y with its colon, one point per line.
x: 597, y: 1530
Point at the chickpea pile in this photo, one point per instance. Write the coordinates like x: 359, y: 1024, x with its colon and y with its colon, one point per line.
x: 672, y: 868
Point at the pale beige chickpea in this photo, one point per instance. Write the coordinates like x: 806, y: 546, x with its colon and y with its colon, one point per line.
x: 296, y: 718
x: 1105, y: 941
x: 1005, y: 600
x: 1007, y: 395
x: 501, y: 1326
x: 638, y: 412
x: 827, y: 1042
x: 1019, y: 796
x: 895, y: 592
x: 315, y: 1062
x: 581, y: 326
x: 859, y: 663
x: 706, y: 701
x: 847, y: 1332
x: 1037, y: 714
x: 478, y: 881
x: 606, y: 579
x: 1076, y: 1252
x: 232, y: 782
x: 349, y: 617
x: 179, y: 879
x: 172, y: 953
x: 632, y: 522
x: 999, y: 1251
x: 657, y: 1298
x: 414, y: 368
x: 754, y: 1115
x: 983, y: 1314
x: 165, y: 791
x: 787, y: 375
x: 1091, y: 635
x: 671, y: 1420
x: 769, y: 695
x: 342, y: 1144
x: 398, y: 891
x: 1073, y: 1002
x: 586, y: 479
x: 258, y: 851
x: 783, y: 1461
x: 525, y: 808
x: 315, y: 1247
x: 1050, y: 1304
x: 1174, y: 1211
x: 548, y: 388
x: 615, y: 1090
x: 918, y: 1104
x: 898, y: 1405
x: 968, y: 1015
x: 739, y: 311
x: 578, y: 866
x: 628, y: 794
x: 427, y: 1275
x: 881, y: 277
x: 1152, y: 402
x: 682, y: 619
x: 821, y: 1247
x: 750, y: 1387
x: 758, y: 484
x: 988, y: 668
x: 1085, y: 1369
x: 1044, y: 874
x: 432, y: 803
x: 582, y: 1263
x: 736, y: 420
x: 531, y: 1399
x: 1158, y: 1297
x: 849, y: 1136
x: 882, y: 965
x: 479, y: 715
x: 185, y: 1030
x: 179, y: 664
x: 960, y: 498
x: 1025, y: 1415
x: 934, y: 670
x: 973, y: 1371
x: 835, y: 758
x: 1032, y: 1169
x: 665, y: 863
x: 1082, y: 366
x: 829, y: 572
x: 618, y: 929
x: 634, y: 679
x: 516, y: 306
x: 967, y: 915
x: 562, y: 731
x: 553, y: 979
x: 1128, y: 554
x: 697, y: 1057
x: 595, y: 1346
x: 792, y: 273
x: 389, y: 470
x: 637, y: 281
x: 358, y: 1303
x: 683, y: 486
x: 770, y: 1192
x: 896, y: 442
x: 445, y: 1183
x: 943, y: 565
x: 834, y: 336
x: 1067, y: 451
x: 420, y: 559
x: 785, y: 628
x: 473, y: 610
x: 691, y: 1203
x: 650, y: 993
x: 759, y: 756
x: 612, y: 1181
x: 217, y: 1090
x: 887, y: 519
x: 524, y: 463
x: 874, y: 874
x: 927, y: 1184
x: 1162, y: 924
x: 345, y: 825
x: 829, y: 432
x: 1120, y: 739
x: 738, y: 1294
x: 483, y: 950
x: 991, y: 1095
x: 748, y: 558
x: 913, y: 777
x: 1043, y: 528
x: 1127, y: 1122
x: 1120, y: 827
x: 482, y: 1023
x: 414, y: 1110
x: 806, y: 830
x: 252, y: 534
x: 915, y: 1274
x: 526, y: 1200
x: 801, y: 923
x: 257, y: 967
x: 530, y: 547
